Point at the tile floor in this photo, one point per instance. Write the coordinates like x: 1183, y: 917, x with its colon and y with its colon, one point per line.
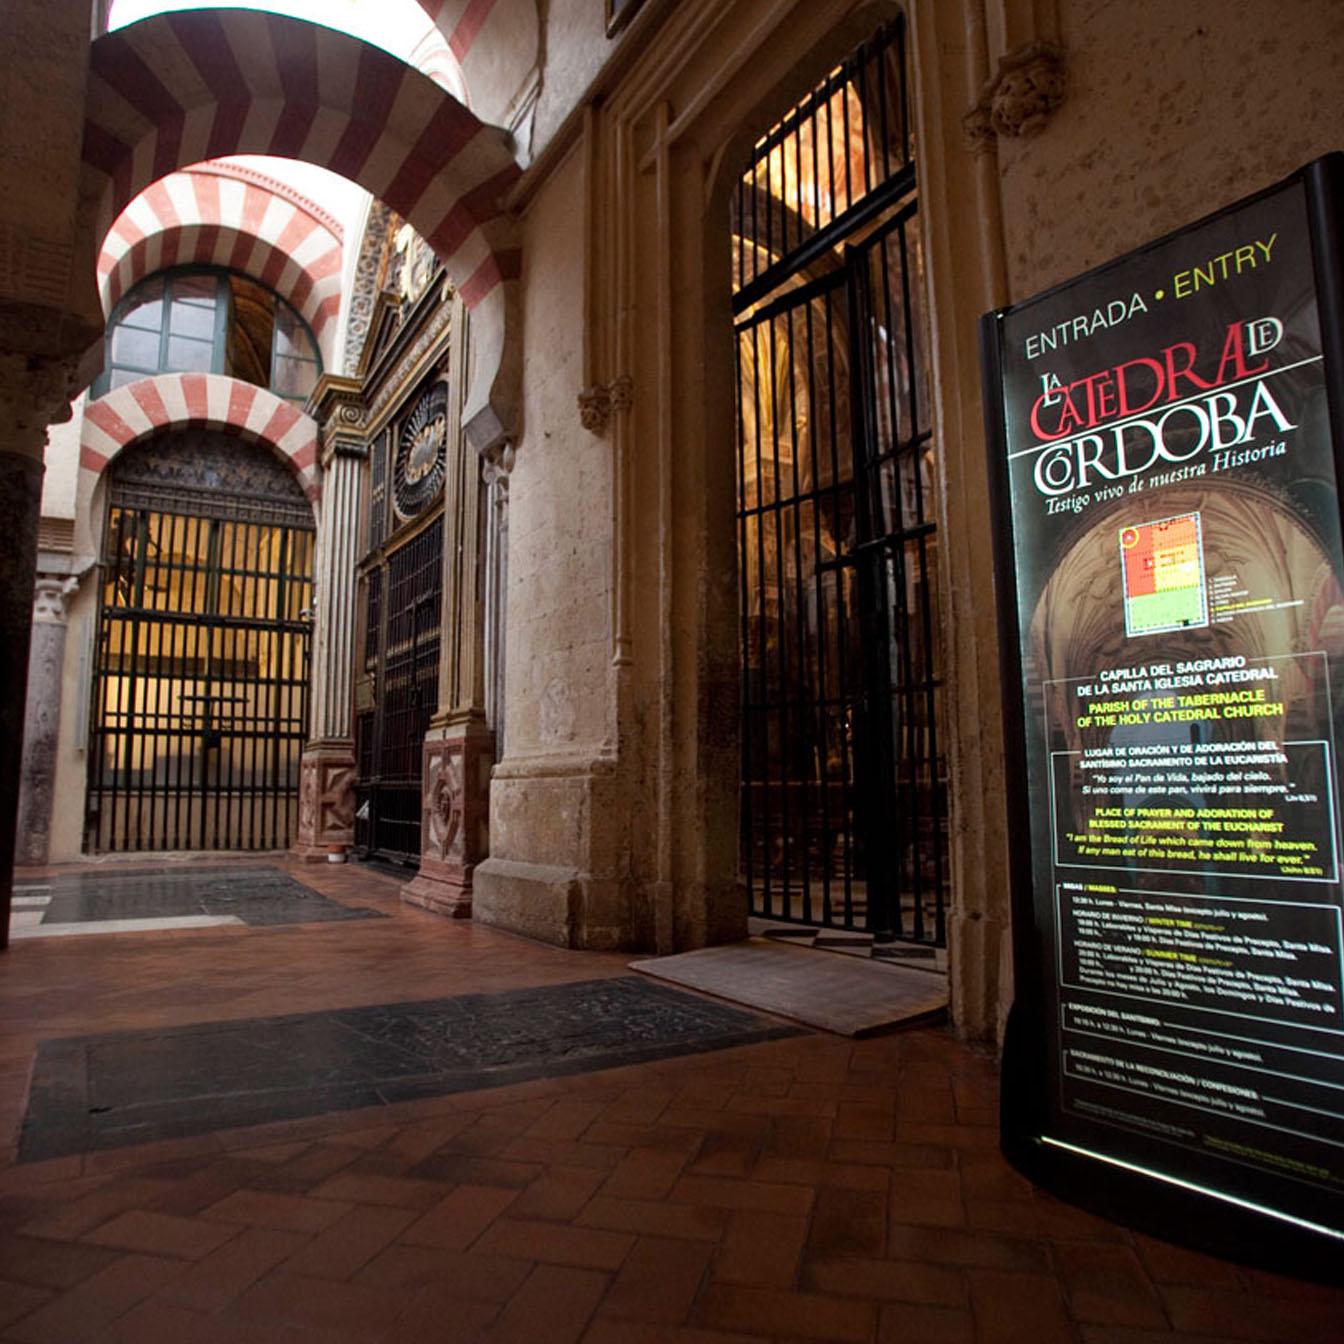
x: 806, y: 1189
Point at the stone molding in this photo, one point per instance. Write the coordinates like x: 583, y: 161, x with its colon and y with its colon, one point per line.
x: 1029, y: 86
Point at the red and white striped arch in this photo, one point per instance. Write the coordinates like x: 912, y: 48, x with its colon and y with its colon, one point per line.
x: 194, y: 401
x: 221, y: 216
x: 496, y: 43
x: 187, y: 86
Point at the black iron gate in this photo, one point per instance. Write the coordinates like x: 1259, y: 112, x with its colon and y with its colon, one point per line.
x: 843, y: 783
x: 200, y: 696
x: 403, y: 596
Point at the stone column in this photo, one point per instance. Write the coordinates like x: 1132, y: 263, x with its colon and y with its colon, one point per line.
x: 33, y: 394
x: 327, y: 770
x: 42, y: 718
x: 460, y: 744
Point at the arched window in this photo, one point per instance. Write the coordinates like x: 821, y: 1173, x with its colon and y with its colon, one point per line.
x: 210, y: 321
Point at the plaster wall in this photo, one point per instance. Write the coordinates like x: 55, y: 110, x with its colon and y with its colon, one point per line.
x: 1174, y: 110
x: 61, y: 478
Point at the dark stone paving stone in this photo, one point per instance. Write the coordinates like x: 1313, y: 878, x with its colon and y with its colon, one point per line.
x: 257, y: 896
x: 95, y: 1092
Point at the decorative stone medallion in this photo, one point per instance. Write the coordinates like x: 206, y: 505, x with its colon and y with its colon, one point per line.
x: 422, y: 454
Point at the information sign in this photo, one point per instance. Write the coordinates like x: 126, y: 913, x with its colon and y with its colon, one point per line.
x: 1165, y: 442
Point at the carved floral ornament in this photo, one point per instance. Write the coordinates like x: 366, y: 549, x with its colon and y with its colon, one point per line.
x: 1030, y: 84
x: 599, y: 402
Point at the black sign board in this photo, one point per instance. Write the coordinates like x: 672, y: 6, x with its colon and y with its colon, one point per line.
x: 1165, y: 438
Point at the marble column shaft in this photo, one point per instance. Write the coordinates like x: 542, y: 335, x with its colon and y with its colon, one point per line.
x: 327, y: 771
x: 42, y: 718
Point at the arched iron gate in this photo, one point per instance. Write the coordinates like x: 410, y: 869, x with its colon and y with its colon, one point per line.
x: 200, y: 693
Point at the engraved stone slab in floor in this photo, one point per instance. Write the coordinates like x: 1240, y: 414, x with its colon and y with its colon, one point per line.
x: 846, y: 995
x: 181, y: 898
x: 96, y: 1092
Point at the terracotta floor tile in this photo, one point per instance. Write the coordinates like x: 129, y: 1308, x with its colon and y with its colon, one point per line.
x: 556, y: 1243
x: 1010, y: 1307
x: 767, y: 1311
x: 156, y: 1322
x: 559, y: 1193
x: 658, y: 1280
x: 211, y: 1284
x: 849, y: 1222
x: 1108, y: 1285
x: 161, y: 1234
x: 86, y: 1311
x: 762, y: 1249
x: 908, y: 1323
x: 289, y: 1213
x: 885, y: 1280
x: 349, y: 1244
x: 20, y: 1299
x: 460, y: 1218
x: 709, y: 1199
x: 335, y: 1311
x: 654, y: 1218
x: 952, y: 1246
x: 86, y: 1213
x: 437, y: 1315
x: 712, y: 1192
x: 50, y: 1264
x: 841, y: 1175
x: 1237, y: 1316
x: 553, y: 1306
x: 489, y: 1278
x: 362, y: 1188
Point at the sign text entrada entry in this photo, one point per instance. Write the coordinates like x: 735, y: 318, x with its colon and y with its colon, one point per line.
x: 1166, y: 445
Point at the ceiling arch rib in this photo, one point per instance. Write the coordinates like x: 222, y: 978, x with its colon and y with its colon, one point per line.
x: 496, y: 44
x: 192, y: 85
x: 216, y: 215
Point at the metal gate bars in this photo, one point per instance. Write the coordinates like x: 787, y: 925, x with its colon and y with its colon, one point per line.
x: 401, y: 668
x: 843, y: 781
x: 199, y: 703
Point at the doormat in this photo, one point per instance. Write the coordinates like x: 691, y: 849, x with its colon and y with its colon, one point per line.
x: 95, y: 1092
x: 180, y: 898
x: 846, y: 995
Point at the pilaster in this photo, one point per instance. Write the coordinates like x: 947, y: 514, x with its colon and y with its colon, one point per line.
x: 459, y: 748
x: 327, y: 769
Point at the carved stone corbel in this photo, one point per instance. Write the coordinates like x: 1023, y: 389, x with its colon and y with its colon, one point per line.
x: 1029, y: 86
x: 598, y: 402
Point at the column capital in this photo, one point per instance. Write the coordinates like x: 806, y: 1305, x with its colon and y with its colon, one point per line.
x: 50, y: 594
x: 338, y: 405
x: 35, y: 391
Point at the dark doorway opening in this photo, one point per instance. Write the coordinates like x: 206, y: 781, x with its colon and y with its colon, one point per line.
x: 844, y: 788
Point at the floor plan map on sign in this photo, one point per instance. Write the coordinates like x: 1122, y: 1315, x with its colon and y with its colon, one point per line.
x: 1164, y: 575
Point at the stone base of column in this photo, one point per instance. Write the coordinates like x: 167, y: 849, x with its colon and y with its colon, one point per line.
x: 454, y: 818
x: 326, y: 801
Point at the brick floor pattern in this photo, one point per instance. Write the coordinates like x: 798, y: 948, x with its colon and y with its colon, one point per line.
x: 809, y: 1189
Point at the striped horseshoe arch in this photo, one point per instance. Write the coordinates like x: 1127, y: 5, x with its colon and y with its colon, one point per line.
x: 218, y: 215
x: 496, y: 44
x: 191, y: 85
x: 194, y: 400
